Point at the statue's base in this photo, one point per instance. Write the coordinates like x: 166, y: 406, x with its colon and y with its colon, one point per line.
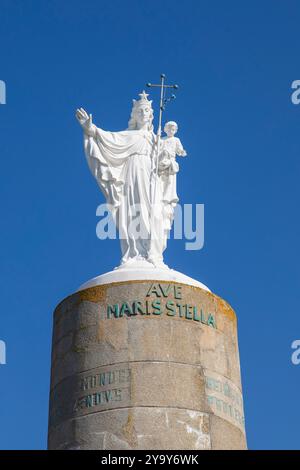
x: 141, y: 270
x: 145, y: 364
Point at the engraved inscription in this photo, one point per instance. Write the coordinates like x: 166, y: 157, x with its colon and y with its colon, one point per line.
x: 224, y: 399
x: 162, y: 305
x: 96, y: 384
x: 104, y: 388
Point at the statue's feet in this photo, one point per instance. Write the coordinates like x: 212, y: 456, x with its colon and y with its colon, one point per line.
x: 159, y: 264
x: 125, y: 263
x: 137, y: 262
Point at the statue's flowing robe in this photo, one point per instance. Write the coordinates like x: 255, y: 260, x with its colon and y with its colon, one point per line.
x: 123, y: 165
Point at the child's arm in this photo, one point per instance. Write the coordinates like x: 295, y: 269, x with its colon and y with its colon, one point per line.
x: 179, y: 149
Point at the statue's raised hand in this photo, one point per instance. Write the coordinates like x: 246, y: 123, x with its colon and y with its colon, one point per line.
x: 85, y: 120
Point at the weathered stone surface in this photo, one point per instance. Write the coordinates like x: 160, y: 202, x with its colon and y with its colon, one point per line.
x: 136, y: 428
x: 224, y: 436
x: 145, y: 365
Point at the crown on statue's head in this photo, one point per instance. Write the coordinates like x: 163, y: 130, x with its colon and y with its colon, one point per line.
x: 143, y: 100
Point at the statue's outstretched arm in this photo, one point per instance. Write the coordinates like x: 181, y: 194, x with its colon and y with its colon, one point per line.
x: 86, y: 122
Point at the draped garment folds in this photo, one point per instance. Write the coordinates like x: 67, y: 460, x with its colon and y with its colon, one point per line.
x: 123, y: 164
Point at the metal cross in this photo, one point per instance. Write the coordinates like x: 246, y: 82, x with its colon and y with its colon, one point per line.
x: 163, y: 99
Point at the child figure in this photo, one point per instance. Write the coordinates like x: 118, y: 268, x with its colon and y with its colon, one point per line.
x: 171, y: 146
x: 168, y: 167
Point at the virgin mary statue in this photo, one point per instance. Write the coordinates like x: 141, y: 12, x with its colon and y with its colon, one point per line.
x: 124, y: 165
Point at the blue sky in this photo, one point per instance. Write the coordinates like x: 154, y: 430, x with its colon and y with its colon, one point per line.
x: 235, y: 62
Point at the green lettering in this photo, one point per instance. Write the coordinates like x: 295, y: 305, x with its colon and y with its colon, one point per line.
x: 188, y: 313
x: 165, y: 291
x: 89, y: 401
x: 97, y: 398
x: 102, y: 380
x: 202, y: 317
x: 84, y: 383
x: 196, y: 316
x: 177, y: 292
x: 113, y: 310
x: 108, y: 395
x: 137, y: 308
x: 210, y: 400
x: 154, y: 289
x: 180, y: 308
x: 125, y: 309
x: 111, y: 377
x: 171, y: 308
x: 219, y: 404
x: 211, y: 321
x: 147, y: 308
x: 157, y: 307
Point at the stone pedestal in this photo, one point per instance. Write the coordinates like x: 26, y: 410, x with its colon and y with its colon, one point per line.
x: 145, y: 364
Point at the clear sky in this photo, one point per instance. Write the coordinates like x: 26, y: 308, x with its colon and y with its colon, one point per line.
x: 235, y: 62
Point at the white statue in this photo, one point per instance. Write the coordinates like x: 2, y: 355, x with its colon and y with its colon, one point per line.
x: 171, y: 147
x: 140, y: 196
x: 168, y: 167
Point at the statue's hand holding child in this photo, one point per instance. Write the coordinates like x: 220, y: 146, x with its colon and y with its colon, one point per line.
x: 164, y: 161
